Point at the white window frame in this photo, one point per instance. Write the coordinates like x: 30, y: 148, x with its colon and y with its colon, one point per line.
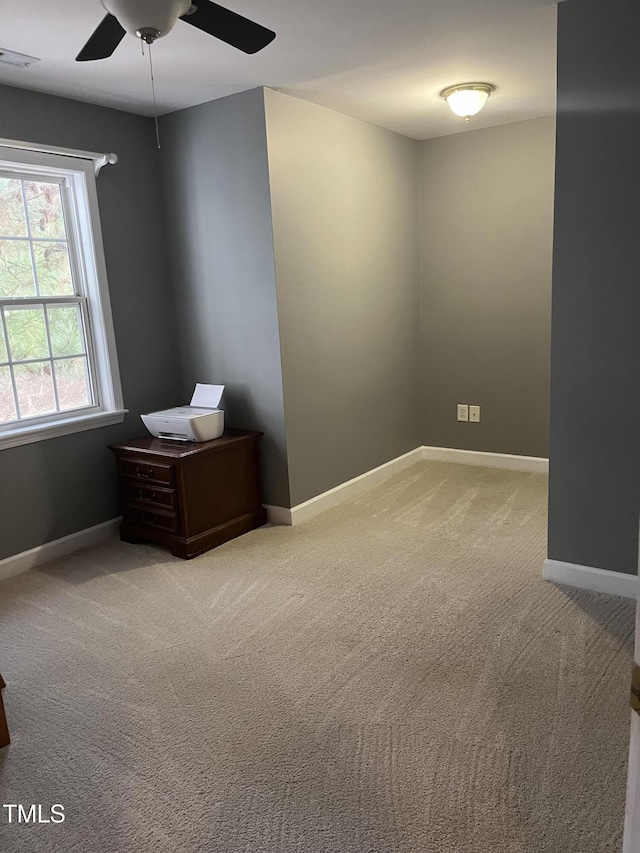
x: 89, y: 271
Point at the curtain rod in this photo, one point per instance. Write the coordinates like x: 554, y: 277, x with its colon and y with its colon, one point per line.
x: 99, y: 160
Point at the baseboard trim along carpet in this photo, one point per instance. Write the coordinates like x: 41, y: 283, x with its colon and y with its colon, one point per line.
x: 58, y: 548
x: 327, y: 500
x: 294, y: 515
x: 508, y: 461
x: 587, y: 577
x: 333, y: 497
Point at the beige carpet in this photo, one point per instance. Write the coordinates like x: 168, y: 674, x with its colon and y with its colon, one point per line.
x: 391, y: 677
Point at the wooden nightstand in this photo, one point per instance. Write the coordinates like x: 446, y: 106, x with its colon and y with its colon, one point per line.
x: 190, y: 497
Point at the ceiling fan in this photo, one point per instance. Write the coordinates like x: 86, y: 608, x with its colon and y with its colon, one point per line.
x: 151, y: 19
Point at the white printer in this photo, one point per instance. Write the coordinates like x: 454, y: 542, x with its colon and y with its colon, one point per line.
x: 202, y: 420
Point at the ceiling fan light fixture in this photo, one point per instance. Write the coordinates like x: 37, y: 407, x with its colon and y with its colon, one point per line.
x: 152, y: 19
x: 467, y: 99
x: 141, y: 18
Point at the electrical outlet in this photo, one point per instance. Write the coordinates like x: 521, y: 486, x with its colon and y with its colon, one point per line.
x: 474, y: 414
x: 463, y: 412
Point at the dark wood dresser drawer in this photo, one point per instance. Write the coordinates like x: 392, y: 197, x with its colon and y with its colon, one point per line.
x: 137, y: 492
x: 142, y: 469
x: 151, y: 518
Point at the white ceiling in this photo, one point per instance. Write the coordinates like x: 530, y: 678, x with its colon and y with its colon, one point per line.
x: 384, y: 61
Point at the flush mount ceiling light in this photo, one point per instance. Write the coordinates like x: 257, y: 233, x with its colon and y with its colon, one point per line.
x: 467, y: 99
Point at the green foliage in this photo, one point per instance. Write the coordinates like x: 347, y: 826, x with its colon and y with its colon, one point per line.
x: 65, y: 330
x: 52, y: 269
x: 28, y: 332
x: 16, y: 272
x: 44, y: 215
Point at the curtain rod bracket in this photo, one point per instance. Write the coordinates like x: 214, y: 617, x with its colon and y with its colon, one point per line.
x: 105, y: 160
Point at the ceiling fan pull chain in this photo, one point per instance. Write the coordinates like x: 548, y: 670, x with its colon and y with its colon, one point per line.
x: 153, y: 92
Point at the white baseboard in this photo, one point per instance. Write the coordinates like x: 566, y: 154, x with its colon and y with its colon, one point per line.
x: 508, y: 461
x: 587, y: 577
x: 333, y: 497
x: 327, y: 500
x: 58, y: 548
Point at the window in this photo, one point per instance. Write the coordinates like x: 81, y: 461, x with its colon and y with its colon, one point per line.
x: 58, y: 364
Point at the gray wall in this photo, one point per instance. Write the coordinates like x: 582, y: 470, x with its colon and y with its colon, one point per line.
x: 218, y: 208
x: 59, y: 486
x: 594, y: 487
x: 345, y: 219
x: 486, y: 243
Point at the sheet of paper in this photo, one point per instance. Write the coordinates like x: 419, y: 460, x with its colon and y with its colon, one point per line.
x: 207, y: 396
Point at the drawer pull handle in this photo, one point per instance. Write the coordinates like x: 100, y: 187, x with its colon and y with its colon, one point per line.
x: 148, y: 498
x: 148, y: 472
x: 150, y: 519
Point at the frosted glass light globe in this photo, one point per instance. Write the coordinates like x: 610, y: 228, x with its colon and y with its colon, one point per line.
x: 468, y: 99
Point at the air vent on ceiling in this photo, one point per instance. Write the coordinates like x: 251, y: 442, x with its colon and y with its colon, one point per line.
x: 21, y: 60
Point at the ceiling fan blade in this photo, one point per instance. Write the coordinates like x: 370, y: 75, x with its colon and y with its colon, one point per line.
x: 104, y: 41
x: 229, y: 27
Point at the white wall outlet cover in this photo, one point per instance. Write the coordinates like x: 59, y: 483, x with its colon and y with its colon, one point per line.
x: 463, y: 412
x: 474, y: 414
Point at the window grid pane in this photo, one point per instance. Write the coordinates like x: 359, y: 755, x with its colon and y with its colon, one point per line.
x: 27, y: 333
x: 12, y: 218
x: 66, y: 330
x: 29, y: 235
x: 17, y: 278
x: 44, y: 207
x: 34, y: 388
x: 38, y: 376
x: 52, y: 267
x: 72, y: 381
x: 7, y: 396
